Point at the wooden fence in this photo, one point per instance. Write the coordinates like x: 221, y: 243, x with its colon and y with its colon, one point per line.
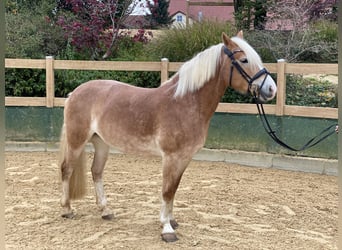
x: 281, y: 68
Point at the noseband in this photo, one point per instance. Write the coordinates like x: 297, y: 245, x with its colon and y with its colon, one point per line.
x: 254, y: 90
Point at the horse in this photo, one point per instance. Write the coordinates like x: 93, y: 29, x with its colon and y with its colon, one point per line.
x: 170, y: 121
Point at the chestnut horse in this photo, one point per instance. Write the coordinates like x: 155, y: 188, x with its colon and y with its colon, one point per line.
x: 170, y: 121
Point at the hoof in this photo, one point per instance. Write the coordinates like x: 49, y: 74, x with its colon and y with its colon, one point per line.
x: 70, y: 215
x: 169, y: 237
x: 108, y: 216
x: 174, y: 224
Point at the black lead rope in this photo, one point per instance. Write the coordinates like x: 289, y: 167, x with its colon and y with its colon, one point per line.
x: 312, y: 142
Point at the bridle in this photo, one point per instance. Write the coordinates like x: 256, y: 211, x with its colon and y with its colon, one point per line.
x: 255, y: 91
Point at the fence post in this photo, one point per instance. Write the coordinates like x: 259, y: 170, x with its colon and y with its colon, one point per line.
x: 50, y: 81
x: 164, y: 71
x: 281, y: 87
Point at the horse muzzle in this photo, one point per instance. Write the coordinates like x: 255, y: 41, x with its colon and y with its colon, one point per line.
x: 262, y: 87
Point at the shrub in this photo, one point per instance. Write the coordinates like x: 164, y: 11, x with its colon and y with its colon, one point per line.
x: 182, y: 44
x: 24, y: 38
x: 316, y: 43
x: 25, y: 82
x: 310, y: 92
x: 325, y: 31
x: 67, y: 80
x: 178, y: 45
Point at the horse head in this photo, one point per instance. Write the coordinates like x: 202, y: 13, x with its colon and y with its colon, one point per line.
x: 246, y: 71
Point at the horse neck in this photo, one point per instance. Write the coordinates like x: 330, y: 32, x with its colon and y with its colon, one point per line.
x: 206, y: 99
x: 211, y: 94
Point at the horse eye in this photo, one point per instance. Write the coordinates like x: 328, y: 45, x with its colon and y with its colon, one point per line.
x: 244, y: 60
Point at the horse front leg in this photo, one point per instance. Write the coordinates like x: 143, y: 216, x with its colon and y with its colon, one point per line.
x: 172, y: 173
x: 169, y: 223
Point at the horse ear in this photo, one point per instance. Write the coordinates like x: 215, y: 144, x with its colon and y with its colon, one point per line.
x: 240, y: 34
x: 226, y: 40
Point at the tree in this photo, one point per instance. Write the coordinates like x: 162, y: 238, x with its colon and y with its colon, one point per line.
x: 159, y: 16
x: 248, y: 12
x: 30, y: 32
x: 296, y: 36
x: 323, y: 9
x: 260, y: 13
x: 92, y: 26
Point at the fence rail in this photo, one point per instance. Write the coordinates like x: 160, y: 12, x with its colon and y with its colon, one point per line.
x: 281, y: 68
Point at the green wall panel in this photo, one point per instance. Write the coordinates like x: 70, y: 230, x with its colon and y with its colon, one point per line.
x: 246, y: 132
x: 33, y: 123
x: 227, y: 131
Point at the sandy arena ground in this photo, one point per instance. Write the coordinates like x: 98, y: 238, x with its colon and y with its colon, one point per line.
x: 218, y: 206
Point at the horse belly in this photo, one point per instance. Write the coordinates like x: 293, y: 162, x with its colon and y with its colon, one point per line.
x: 128, y: 142
x: 135, y: 146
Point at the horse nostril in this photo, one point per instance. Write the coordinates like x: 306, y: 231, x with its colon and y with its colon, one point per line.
x: 271, y: 89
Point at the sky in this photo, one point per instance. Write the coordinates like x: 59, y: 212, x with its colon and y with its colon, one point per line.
x: 140, y: 8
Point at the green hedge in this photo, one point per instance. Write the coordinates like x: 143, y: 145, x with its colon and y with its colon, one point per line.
x: 183, y: 44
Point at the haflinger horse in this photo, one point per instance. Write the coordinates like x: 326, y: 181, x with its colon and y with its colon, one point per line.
x: 170, y: 121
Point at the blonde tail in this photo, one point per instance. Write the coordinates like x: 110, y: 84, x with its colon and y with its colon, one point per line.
x: 77, y: 183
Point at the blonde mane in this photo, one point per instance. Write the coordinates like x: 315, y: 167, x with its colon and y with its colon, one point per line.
x: 197, y: 71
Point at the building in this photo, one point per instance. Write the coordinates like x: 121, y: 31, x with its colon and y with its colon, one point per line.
x: 178, y: 11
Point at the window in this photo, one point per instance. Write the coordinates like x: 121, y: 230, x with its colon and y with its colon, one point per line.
x: 179, y: 18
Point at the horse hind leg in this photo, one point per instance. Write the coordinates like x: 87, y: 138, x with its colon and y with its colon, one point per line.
x: 72, y: 166
x: 65, y: 200
x: 73, y: 180
x: 99, y: 161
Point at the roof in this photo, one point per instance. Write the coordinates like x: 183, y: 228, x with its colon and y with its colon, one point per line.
x: 220, y: 13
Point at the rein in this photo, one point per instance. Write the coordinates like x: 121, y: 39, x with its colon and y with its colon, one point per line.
x: 325, y: 133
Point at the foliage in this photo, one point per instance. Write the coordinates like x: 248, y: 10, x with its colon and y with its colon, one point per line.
x: 31, y: 35
x: 25, y: 82
x: 140, y: 79
x: 310, y: 92
x: 314, y: 43
x: 37, y: 35
x: 159, y: 16
x: 25, y: 40
x: 248, y: 13
x: 92, y: 26
x: 300, y: 13
x: 253, y: 13
x: 19, y: 6
x: 67, y: 80
x: 11, y: 7
x: 182, y: 44
x: 131, y: 47
x: 325, y: 31
x: 323, y: 9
